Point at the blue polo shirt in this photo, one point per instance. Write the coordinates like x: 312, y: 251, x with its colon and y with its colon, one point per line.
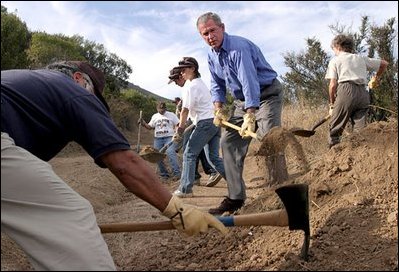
x: 44, y: 110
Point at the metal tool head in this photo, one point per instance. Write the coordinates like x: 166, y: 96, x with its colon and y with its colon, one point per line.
x: 295, y: 198
x: 151, y: 154
x: 302, y: 132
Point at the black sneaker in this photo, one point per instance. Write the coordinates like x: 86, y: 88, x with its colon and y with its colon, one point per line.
x: 227, y: 205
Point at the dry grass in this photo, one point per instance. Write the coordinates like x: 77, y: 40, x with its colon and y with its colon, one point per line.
x: 305, y: 117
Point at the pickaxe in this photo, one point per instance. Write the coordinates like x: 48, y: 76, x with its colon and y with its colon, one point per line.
x: 295, y: 215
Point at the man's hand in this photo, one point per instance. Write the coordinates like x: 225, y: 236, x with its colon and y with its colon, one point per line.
x: 189, y: 220
x: 373, y: 83
x: 330, y: 110
x: 177, y: 138
x: 141, y: 122
x: 221, y: 114
x: 249, y: 124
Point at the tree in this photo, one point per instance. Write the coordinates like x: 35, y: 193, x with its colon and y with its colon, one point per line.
x: 305, y: 82
x: 116, y: 70
x: 46, y: 48
x: 15, y: 39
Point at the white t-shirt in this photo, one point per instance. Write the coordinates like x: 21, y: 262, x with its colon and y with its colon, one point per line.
x: 164, y: 125
x: 351, y: 67
x: 197, y: 99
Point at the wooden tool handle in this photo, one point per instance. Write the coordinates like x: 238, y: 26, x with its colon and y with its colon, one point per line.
x: 139, y: 132
x: 319, y: 123
x: 271, y: 218
x: 248, y: 133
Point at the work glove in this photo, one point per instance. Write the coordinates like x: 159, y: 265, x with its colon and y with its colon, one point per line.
x: 330, y: 110
x: 189, y: 220
x: 373, y: 83
x: 221, y: 114
x: 248, y: 124
x: 178, y: 137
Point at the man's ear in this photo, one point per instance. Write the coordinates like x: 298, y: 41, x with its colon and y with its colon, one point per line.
x: 77, y: 77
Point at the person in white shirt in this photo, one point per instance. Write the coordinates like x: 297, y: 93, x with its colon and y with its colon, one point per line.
x: 349, y: 99
x: 197, y: 105
x: 164, y: 122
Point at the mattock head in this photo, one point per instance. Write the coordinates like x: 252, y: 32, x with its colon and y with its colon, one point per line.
x: 295, y: 198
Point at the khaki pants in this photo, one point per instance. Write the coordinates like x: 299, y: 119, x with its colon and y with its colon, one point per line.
x: 351, y: 105
x: 54, y: 225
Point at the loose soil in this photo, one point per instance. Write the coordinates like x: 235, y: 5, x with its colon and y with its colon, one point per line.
x: 353, y: 200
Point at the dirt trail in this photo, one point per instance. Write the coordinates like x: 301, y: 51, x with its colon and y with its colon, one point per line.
x: 353, y: 213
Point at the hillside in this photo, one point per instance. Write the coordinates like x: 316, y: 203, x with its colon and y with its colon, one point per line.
x: 353, y: 198
x: 147, y: 93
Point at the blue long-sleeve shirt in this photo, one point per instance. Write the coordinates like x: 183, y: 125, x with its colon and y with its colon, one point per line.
x: 239, y: 66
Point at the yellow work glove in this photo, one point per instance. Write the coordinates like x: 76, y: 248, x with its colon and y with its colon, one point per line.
x: 330, y: 110
x: 221, y: 114
x: 373, y: 83
x: 189, y: 220
x: 248, y: 125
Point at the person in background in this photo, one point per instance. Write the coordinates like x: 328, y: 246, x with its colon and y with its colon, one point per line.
x: 41, y: 112
x: 238, y: 65
x: 163, y: 123
x: 197, y: 106
x: 348, y: 96
x: 214, y: 176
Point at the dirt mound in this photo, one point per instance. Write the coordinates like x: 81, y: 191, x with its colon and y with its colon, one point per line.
x: 353, y: 191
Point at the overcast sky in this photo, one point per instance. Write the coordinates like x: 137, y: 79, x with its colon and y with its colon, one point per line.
x: 152, y: 36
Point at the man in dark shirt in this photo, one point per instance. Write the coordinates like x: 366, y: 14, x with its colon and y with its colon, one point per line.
x: 42, y: 111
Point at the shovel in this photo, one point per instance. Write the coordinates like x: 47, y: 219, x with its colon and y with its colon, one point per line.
x: 295, y: 215
x: 156, y: 156
x: 311, y: 132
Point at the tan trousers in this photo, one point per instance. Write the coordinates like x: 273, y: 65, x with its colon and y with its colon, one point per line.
x: 54, y: 225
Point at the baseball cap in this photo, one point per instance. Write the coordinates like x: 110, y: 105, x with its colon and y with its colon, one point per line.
x: 174, y: 74
x: 96, y: 75
x: 188, y: 62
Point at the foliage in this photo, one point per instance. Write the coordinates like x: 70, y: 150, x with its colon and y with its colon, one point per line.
x: 15, y: 39
x: 116, y: 70
x: 305, y: 82
x: 46, y: 49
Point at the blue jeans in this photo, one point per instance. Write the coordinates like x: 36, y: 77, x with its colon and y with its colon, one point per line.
x: 171, y: 154
x: 205, y: 132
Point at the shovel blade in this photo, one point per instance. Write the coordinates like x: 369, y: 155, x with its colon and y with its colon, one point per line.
x: 303, y: 132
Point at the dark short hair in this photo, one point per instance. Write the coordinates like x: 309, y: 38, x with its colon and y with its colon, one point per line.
x: 161, y: 106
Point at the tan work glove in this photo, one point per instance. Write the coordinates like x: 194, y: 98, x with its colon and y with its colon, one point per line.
x: 330, y: 110
x: 221, y: 114
x: 373, y: 83
x: 248, y: 125
x: 189, y: 220
x: 177, y: 138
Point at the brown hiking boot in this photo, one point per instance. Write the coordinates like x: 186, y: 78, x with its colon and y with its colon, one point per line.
x: 227, y: 205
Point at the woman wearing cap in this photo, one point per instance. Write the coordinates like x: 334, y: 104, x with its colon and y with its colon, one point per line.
x: 198, y: 107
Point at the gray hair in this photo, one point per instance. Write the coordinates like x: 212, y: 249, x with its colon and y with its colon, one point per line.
x: 209, y: 16
x: 69, y: 69
x: 343, y: 42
